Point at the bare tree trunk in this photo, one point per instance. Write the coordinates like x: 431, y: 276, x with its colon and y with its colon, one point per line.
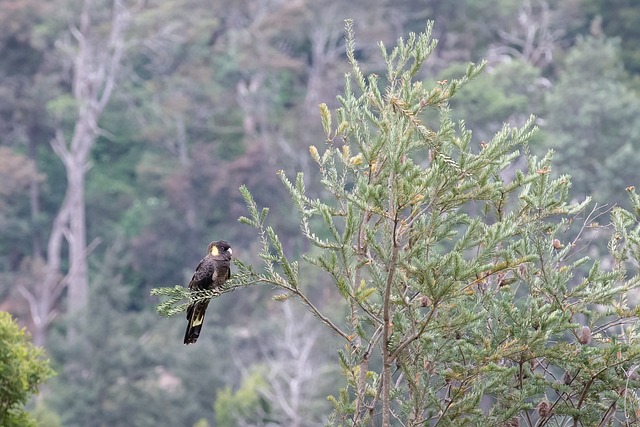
x: 326, y: 47
x: 78, y: 276
x: 96, y: 62
x: 34, y: 205
x: 295, y: 368
x: 532, y: 39
x: 185, y: 163
x: 96, y: 67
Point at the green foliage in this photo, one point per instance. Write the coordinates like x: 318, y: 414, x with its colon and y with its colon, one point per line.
x: 45, y: 417
x: 507, y: 93
x: 16, y: 173
x: 179, y: 297
x: 464, y: 304
x: 214, y: 95
x: 201, y: 423
x: 619, y: 21
x: 245, y: 404
x: 123, y: 368
x: 591, y: 109
x: 22, y: 369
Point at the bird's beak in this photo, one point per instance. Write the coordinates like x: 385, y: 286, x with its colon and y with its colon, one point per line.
x: 230, y: 251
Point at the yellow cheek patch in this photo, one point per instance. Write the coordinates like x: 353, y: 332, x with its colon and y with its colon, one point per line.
x: 214, y: 251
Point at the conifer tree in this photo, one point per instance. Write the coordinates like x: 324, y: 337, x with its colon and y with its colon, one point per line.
x: 463, y: 303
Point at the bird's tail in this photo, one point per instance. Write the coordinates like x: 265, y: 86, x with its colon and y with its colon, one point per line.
x: 195, y: 317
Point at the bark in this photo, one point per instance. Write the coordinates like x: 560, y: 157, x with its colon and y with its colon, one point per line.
x: 96, y: 64
x: 185, y: 163
x: 295, y: 368
x: 532, y: 39
x: 34, y: 205
x: 326, y: 38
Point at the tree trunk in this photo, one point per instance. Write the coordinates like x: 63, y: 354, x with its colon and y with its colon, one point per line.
x: 78, y: 279
x: 185, y: 164
x: 96, y: 62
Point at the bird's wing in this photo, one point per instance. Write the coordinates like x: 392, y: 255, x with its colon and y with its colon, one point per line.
x: 202, y: 276
x: 217, y: 278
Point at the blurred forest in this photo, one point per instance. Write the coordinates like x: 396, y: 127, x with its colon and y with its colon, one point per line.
x: 127, y: 126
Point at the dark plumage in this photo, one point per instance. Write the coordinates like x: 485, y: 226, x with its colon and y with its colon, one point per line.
x: 212, y: 271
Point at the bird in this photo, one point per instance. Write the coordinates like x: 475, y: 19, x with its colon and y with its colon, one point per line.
x: 212, y: 271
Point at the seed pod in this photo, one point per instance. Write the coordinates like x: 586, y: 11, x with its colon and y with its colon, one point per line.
x: 533, y: 363
x: 522, y: 269
x: 544, y: 408
x: 535, y: 325
x: 513, y: 422
x: 584, y: 335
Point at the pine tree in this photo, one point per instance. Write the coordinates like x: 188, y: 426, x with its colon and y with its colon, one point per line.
x: 462, y: 298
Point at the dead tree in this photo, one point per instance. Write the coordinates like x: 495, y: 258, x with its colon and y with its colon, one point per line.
x: 96, y: 59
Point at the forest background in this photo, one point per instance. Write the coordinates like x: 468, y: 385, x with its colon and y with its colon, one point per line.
x: 126, y: 128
